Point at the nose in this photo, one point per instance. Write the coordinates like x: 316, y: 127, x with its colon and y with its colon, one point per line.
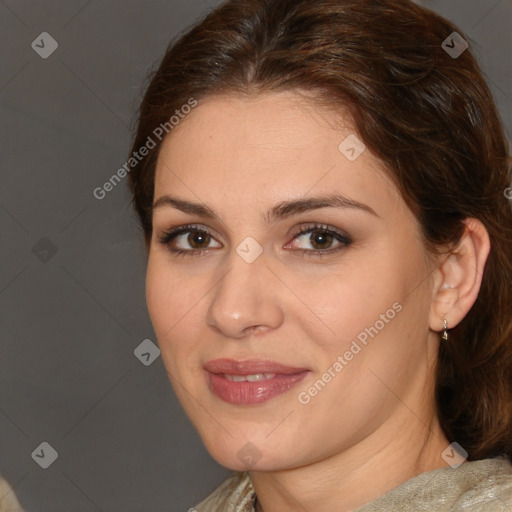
x: 245, y: 301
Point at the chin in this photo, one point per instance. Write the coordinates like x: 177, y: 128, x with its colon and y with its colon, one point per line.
x: 245, y: 452
x: 250, y: 460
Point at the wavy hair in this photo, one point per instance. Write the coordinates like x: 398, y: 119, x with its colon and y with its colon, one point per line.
x: 428, y: 116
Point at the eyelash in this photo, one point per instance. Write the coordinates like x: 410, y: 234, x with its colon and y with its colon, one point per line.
x: 167, y: 237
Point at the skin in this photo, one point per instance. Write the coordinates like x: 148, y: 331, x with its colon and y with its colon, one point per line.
x: 374, y: 425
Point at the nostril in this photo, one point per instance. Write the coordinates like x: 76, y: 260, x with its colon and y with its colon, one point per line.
x: 254, y: 330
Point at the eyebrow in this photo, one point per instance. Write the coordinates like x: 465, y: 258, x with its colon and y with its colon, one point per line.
x: 280, y: 211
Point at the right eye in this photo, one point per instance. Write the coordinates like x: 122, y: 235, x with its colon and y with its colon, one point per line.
x: 187, y: 240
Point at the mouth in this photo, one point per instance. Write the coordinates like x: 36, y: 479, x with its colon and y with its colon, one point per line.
x: 252, y: 381
x: 249, y: 378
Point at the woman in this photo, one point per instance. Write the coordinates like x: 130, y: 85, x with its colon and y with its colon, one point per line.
x: 321, y: 188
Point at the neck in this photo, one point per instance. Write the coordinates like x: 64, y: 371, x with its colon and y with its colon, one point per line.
x: 359, y: 474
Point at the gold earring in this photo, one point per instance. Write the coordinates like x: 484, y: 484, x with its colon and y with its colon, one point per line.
x: 444, y: 336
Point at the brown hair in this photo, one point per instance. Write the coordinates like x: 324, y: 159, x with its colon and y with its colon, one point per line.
x: 428, y: 116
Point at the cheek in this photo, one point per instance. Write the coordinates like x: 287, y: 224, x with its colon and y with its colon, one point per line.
x: 342, y: 304
x: 158, y: 297
x: 176, y: 303
x: 167, y: 299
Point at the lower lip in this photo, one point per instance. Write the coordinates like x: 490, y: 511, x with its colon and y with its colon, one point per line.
x: 246, y: 393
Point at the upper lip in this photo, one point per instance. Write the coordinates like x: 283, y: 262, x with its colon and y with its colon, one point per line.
x: 249, y: 367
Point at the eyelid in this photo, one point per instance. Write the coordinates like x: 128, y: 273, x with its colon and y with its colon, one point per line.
x: 172, y: 233
x: 342, y: 237
x: 318, y: 226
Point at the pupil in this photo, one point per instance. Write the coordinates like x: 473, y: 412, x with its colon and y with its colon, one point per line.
x: 197, y: 238
x: 322, y: 238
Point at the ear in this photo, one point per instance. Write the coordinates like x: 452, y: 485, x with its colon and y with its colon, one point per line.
x: 458, y: 277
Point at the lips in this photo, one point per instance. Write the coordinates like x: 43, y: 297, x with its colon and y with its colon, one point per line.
x: 252, y: 381
x: 249, y: 367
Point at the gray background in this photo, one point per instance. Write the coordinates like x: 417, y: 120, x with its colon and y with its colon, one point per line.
x: 71, y: 319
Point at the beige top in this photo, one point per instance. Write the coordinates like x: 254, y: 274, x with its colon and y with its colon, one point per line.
x: 8, y: 500
x: 475, y: 486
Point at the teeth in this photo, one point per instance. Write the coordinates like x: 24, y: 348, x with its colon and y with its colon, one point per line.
x: 249, y: 378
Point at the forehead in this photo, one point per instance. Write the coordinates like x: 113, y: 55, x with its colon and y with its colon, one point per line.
x: 268, y: 146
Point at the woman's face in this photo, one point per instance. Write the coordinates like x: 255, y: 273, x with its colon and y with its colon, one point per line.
x: 342, y: 307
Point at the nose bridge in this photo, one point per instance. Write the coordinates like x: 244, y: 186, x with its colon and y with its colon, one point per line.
x: 243, y: 298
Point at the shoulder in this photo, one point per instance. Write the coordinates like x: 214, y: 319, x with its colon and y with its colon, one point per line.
x: 475, y: 486
x: 234, y: 494
x: 489, y: 483
x: 8, y: 500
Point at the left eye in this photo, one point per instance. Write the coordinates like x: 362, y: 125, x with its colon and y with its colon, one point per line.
x: 321, y: 239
